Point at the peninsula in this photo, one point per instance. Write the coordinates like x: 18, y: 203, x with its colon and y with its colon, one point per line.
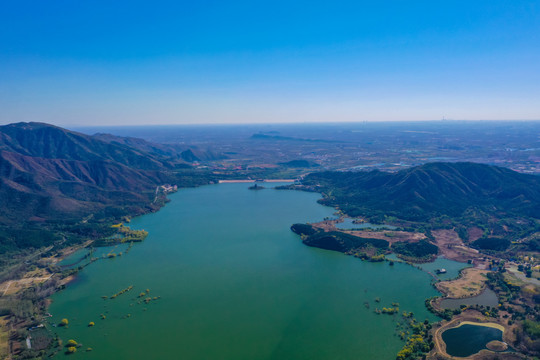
x: 482, y: 215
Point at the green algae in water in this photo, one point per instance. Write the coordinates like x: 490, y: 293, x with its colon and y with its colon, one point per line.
x: 235, y: 283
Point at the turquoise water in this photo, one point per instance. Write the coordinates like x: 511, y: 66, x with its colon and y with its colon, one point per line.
x: 469, y: 339
x: 235, y: 283
x: 452, y: 267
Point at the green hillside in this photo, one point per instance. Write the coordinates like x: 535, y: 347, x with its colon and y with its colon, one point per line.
x: 503, y: 204
x: 56, y: 183
x: 431, y: 190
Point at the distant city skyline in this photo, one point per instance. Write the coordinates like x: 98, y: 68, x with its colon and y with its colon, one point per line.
x: 131, y: 63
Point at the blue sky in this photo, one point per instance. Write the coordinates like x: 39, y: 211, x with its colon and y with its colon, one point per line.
x: 119, y: 63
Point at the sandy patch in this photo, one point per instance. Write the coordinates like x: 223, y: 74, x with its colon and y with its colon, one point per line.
x: 488, y: 324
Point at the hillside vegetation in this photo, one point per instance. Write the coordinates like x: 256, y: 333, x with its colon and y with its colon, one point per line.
x: 57, y: 184
x: 431, y: 190
x: 504, y: 204
x: 339, y: 241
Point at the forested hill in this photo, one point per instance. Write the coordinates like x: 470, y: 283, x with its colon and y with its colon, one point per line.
x: 431, y: 190
x: 51, y: 142
x: 50, y: 175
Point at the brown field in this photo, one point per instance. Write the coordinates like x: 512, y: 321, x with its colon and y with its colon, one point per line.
x: 388, y: 235
x: 14, y: 286
x: 39, y: 275
x: 452, y: 247
x: 471, y: 282
x: 474, y: 233
x: 326, y: 225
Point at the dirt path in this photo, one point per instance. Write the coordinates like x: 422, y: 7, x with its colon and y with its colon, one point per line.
x: 6, y: 288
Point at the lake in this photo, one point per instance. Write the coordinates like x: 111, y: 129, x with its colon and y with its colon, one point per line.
x: 233, y: 282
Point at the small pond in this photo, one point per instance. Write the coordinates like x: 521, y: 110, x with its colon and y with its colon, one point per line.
x: 485, y: 298
x: 467, y: 339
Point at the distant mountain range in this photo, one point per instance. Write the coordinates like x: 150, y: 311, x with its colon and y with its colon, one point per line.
x: 260, y: 136
x: 431, y: 190
x: 173, y: 152
x: 47, y: 172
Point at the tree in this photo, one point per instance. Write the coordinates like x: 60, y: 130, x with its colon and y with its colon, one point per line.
x: 71, y: 343
x: 64, y: 322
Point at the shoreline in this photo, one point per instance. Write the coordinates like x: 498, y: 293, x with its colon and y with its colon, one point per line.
x: 278, y: 181
x: 487, y: 324
x: 63, y: 280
